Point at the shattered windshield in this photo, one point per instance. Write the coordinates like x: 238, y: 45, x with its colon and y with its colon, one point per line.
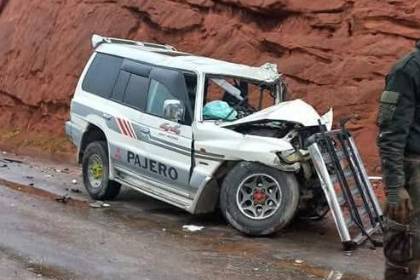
x: 228, y: 98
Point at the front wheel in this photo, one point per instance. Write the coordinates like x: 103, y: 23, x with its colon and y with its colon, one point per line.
x: 95, y: 167
x: 258, y: 200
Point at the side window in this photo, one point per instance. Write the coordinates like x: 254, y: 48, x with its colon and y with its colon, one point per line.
x: 102, y: 74
x: 136, y: 92
x: 120, y: 86
x: 157, y: 95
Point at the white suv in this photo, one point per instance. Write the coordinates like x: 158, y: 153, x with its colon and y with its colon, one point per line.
x: 195, y: 132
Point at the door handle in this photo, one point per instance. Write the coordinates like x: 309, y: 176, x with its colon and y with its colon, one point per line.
x: 107, y: 116
x: 144, y: 130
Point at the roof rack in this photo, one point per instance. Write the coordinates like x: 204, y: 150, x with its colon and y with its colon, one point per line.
x: 98, y: 40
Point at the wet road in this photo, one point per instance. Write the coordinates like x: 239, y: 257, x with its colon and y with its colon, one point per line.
x: 141, y: 238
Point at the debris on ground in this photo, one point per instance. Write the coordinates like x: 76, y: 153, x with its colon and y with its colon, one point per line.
x: 73, y: 190
x: 335, y: 275
x: 12, y: 160
x: 64, y: 170
x: 3, y: 165
x: 348, y: 253
x: 63, y: 199
x: 74, y: 181
x: 29, y: 177
x: 99, y: 204
x: 192, y: 228
x: 297, y: 261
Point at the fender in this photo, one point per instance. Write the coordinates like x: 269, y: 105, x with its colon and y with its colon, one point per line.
x: 82, y: 117
x: 230, y: 145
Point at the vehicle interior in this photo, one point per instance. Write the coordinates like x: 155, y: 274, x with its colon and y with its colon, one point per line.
x: 230, y: 98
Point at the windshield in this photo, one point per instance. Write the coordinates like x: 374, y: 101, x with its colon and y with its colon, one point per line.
x: 228, y: 98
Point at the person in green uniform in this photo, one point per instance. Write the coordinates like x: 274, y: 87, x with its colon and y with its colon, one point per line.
x: 399, y: 146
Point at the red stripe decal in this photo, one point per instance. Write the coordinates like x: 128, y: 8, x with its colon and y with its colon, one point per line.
x: 119, y: 125
x: 130, y: 125
x: 122, y: 128
x: 125, y: 124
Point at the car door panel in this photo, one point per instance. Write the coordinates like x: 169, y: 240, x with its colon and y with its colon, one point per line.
x: 169, y: 152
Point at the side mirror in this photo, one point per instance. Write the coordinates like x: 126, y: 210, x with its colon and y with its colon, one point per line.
x: 173, y: 110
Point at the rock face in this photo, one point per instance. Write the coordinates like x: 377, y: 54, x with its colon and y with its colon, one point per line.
x: 335, y: 53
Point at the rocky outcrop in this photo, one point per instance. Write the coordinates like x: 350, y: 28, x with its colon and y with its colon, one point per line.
x: 334, y: 53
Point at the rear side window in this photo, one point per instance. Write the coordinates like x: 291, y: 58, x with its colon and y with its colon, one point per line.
x: 120, y: 86
x: 102, y: 74
x: 136, y: 92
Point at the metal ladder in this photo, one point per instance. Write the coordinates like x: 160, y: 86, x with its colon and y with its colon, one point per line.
x: 354, y: 205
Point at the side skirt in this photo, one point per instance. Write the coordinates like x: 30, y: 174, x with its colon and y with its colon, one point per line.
x: 156, y: 190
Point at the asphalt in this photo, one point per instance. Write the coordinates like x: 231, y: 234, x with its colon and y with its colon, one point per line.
x: 49, y: 231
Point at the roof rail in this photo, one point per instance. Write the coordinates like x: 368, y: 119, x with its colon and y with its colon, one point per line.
x: 98, y: 40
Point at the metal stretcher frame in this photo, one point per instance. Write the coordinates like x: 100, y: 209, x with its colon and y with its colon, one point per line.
x: 328, y: 150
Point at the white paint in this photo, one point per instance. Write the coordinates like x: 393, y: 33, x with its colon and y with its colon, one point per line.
x: 158, y: 56
x: 296, y: 111
x: 236, y: 146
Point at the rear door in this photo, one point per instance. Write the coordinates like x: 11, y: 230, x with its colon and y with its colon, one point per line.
x: 101, y: 102
x: 128, y: 148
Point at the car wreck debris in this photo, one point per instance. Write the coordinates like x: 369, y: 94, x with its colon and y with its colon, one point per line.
x: 346, y: 185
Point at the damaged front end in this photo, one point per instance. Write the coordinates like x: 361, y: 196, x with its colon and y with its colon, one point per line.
x: 281, y: 136
x: 292, y: 122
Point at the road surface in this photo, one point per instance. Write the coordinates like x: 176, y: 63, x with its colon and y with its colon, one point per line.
x: 141, y: 238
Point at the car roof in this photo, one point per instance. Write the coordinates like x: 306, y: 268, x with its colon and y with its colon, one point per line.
x: 169, y: 57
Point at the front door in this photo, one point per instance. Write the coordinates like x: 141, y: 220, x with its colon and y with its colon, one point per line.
x: 169, y: 145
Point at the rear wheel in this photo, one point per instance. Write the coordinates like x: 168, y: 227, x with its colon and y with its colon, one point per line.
x: 95, y: 166
x: 258, y: 200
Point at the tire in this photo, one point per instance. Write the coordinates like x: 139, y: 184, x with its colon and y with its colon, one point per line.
x: 283, y: 187
x: 105, y: 189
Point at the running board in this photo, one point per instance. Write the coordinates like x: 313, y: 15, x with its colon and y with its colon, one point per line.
x: 355, y: 207
x: 178, y: 199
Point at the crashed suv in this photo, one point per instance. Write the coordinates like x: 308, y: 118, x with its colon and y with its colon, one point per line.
x: 195, y: 132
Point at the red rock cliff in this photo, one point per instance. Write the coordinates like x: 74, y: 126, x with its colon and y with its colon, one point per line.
x: 334, y: 52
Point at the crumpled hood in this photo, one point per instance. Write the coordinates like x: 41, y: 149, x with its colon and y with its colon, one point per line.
x: 296, y: 111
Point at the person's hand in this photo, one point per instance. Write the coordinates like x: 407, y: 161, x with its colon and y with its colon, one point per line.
x: 400, y: 210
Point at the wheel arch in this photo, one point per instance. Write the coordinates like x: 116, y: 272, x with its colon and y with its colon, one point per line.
x: 207, y: 198
x: 91, y: 134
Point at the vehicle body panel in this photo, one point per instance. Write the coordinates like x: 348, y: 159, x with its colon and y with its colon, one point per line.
x: 296, y: 111
x: 143, y: 148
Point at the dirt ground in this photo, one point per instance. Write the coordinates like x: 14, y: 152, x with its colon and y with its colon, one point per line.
x: 137, y: 237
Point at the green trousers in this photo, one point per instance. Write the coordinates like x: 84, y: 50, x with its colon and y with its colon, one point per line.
x: 408, y: 270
